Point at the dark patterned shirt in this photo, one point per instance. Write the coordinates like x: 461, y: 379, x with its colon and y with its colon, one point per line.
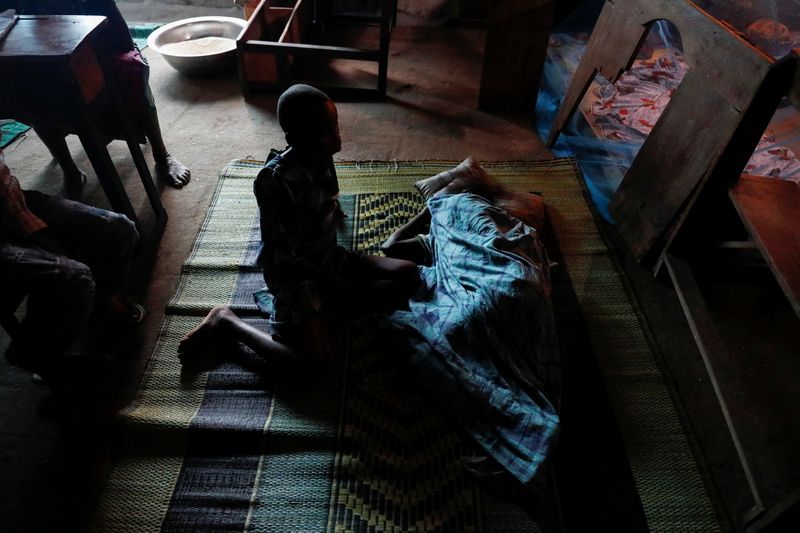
x: 297, y: 195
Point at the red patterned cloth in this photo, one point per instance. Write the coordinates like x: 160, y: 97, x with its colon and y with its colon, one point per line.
x: 16, y: 220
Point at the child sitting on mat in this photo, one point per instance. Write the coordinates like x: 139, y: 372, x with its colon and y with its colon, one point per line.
x: 311, y: 279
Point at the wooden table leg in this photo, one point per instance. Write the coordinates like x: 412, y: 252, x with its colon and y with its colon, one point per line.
x: 96, y: 150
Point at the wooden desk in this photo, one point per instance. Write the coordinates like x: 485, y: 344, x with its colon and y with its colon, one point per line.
x: 54, y: 76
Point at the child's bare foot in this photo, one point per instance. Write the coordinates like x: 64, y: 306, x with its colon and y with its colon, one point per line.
x: 205, y: 339
x: 173, y: 172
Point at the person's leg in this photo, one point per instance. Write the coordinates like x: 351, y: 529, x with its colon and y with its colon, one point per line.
x: 74, y: 178
x: 310, y: 341
x: 222, y: 325
x: 168, y: 169
x: 103, y: 240
x: 389, y: 282
x: 133, y: 74
x: 60, y: 298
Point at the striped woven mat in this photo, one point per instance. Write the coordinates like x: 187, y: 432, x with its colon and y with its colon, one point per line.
x: 361, y: 448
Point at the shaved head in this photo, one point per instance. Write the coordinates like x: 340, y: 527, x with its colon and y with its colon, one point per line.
x: 303, y: 113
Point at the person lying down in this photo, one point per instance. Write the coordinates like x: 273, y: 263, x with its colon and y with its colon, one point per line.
x: 480, y: 329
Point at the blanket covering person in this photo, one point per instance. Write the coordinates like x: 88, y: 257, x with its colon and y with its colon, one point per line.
x: 482, y: 331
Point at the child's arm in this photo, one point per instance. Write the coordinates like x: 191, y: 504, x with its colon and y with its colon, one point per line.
x: 404, y: 244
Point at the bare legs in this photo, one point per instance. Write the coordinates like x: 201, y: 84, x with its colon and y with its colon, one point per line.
x: 391, y: 283
x: 168, y: 169
x: 222, y: 326
x: 403, y: 244
x: 74, y: 178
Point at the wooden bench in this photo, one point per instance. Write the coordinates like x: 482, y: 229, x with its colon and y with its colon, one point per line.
x: 673, y: 206
x: 770, y: 210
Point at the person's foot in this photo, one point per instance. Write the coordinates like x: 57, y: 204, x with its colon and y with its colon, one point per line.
x: 200, y: 344
x: 173, y: 172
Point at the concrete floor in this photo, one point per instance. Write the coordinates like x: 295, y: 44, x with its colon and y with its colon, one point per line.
x: 50, y: 461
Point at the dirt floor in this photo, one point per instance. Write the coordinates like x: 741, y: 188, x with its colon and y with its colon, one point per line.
x: 48, y: 460
x: 51, y: 455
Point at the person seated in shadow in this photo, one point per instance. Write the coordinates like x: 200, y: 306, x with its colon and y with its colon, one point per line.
x: 311, y: 280
x: 70, y: 259
x: 131, y: 72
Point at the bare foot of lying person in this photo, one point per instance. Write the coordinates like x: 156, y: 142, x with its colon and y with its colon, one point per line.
x: 173, y: 172
x: 200, y: 345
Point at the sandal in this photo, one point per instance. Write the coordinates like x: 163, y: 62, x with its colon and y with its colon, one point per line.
x: 134, y: 314
x: 126, y: 311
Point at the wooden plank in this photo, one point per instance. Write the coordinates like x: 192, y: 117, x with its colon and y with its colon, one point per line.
x: 340, y: 52
x: 250, y: 67
x: 770, y: 209
x: 678, y: 156
x: 622, y: 24
x: 516, y: 45
x: 794, y: 94
x: 726, y: 384
x: 611, y: 49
